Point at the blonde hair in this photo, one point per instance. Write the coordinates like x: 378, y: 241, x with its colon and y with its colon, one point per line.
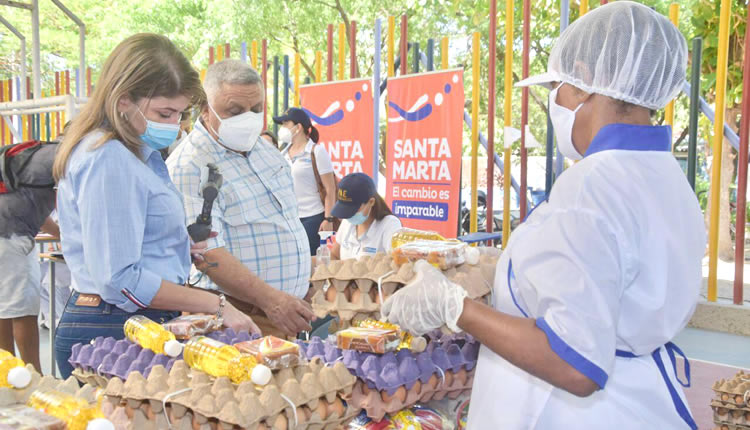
x: 143, y: 65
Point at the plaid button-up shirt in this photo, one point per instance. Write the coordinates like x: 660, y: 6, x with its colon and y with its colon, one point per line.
x: 255, y: 213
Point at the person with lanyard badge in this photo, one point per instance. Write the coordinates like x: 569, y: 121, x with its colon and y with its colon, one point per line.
x: 121, y: 219
x: 595, y: 284
x: 312, y: 171
x: 367, y: 223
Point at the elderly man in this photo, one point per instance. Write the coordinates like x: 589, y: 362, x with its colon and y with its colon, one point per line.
x: 260, y: 258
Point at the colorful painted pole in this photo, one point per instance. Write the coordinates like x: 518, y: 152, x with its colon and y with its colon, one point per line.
x: 507, y: 111
x: 3, y: 140
x: 275, y: 91
x: 721, y: 86
x: 391, y: 44
x: 330, y: 52
x: 243, y: 52
x: 342, y: 51
x: 57, y: 114
x: 318, y: 66
x: 254, y: 54
x: 444, y: 56
x: 474, y: 129
x: 376, y: 97
x: 296, y: 79
x: 489, y: 216
x: 226, y: 50
x: 584, y: 7
x: 353, y: 50
x: 404, y: 43
x: 430, y: 54
x: 695, y: 88
x: 415, y: 51
x: 525, y: 106
x: 739, y: 248
x: 286, y: 82
x: 89, y: 86
x: 674, y: 11
x: 219, y: 52
x: 210, y: 55
x: 264, y: 76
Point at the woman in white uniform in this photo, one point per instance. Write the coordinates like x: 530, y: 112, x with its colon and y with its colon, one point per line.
x: 367, y: 223
x: 592, y: 288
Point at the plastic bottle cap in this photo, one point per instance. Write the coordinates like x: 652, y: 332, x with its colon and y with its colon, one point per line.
x: 19, y: 377
x: 261, y: 375
x: 173, y: 348
x: 100, y: 424
x: 472, y: 256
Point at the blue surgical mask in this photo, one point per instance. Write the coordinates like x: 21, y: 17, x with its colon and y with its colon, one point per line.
x: 159, y: 135
x: 358, y: 219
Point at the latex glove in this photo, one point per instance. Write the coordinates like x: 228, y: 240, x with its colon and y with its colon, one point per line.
x: 428, y: 302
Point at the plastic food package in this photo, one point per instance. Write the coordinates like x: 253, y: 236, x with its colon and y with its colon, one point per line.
x: 363, y: 422
x: 441, y: 254
x: 24, y: 417
x: 408, y: 235
x: 408, y: 341
x: 375, y: 340
x: 186, y: 326
x: 273, y: 352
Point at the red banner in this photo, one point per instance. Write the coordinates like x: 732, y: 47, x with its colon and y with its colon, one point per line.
x: 425, y: 131
x: 343, y: 114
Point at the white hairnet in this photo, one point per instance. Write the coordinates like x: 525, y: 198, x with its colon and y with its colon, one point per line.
x: 623, y: 50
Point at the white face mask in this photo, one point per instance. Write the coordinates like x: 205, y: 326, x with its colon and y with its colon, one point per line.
x: 562, y: 120
x: 240, y: 132
x: 285, y: 135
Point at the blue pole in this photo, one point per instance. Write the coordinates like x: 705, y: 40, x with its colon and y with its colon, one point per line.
x: 376, y: 110
x: 275, y: 91
x: 78, y: 83
x: 243, y: 52
x: 286, y: 82
x: 430, y: 55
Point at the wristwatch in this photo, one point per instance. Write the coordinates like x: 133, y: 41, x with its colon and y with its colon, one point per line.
x: 222, y: 303
x: 330, y: 219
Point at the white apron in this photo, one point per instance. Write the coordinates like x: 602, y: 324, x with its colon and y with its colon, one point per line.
x: 551, y: 271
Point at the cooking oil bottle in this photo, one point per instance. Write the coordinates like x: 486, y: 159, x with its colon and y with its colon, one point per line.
x: 408, y: 341
x: 219, y: 359
x: 151, y: 335
x: 13, y: 374
x: 76, y: 413
x: 408, y: 235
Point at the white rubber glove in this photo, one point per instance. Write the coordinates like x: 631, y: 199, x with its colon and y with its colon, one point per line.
x: 428, y: 302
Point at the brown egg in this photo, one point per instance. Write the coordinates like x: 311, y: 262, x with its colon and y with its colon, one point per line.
x: 322, y: 410
x: 365, y: 389
x: 417, y: 388
x: 460, y: 377
x: 356, y: 296
x: 433, y: 382
x: 374, y: 296
x: 337, y: 407
x: 281, y: 423
x: 301, y: 416
x: 399, y: 395
x: 261, y: 426
x: 331, y: 295
x: 725, y: 397
x: 739, y: 399
x: 448, y: 380
x: 722, y: 411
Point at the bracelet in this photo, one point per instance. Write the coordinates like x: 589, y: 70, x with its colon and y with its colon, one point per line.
x: 222, y: 302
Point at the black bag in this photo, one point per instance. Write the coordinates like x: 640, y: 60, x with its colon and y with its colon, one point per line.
x: 13, y: 160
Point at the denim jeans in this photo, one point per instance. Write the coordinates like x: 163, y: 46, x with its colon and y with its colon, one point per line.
x: 81, y: 324
x: 312, y: 226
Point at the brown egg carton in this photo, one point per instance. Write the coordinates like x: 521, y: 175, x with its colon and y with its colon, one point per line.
x: 733, y: 391
x: 730, y: 427
x: 349, y: 288
x: 191, y: 399
x: 730, y: 414
x: 11, y: 396
x: 379, y: 403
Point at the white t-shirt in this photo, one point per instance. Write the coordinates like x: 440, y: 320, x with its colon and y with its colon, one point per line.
x: 376, y: 239
x: 305, y: 186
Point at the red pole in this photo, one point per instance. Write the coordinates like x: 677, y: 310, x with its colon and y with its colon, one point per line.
x: 604, y: 2
x: 739, y: 249
x: 525, y: 104
x: 353, y: 50
x: 404, y: 44
x: 67, y: 82
x: 264, y: 75
x: 226, y: 50
x: 88, y: 82
x: 2, y: 123
x: 489, y: 218
x: 210, y: 55
x: 330, y: 52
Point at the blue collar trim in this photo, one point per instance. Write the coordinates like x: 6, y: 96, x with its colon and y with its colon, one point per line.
x: 630, y: 137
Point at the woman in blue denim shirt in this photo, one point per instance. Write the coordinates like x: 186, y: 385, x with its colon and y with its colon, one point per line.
x: 122, y: 222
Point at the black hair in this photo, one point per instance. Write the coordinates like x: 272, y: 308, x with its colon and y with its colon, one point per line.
x: 380, y: 209
x: 312, y: 132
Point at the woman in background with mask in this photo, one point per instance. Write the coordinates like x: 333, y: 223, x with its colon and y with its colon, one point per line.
x: 367, y: 224
x: 121, y: 219
x: 312, y: 172
x: 593, y: 286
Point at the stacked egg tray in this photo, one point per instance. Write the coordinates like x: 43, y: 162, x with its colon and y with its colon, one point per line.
x: 388, y: 383
x: 353, y: 289
x: 731, y: 404
x: 104, y: 358
x: 310, y: 396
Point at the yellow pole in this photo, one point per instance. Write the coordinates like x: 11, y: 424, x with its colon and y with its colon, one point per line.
x: 391, y: 43
x: 342, y: 50
x: 203, y: 75
x: 721, y: 87
x: 25, y: 128
x: 444, y: 53
x: 507, y: 113
x: 219, y: 52
x: 674, y: 11
x: 296, y: 79
x: 474, y: 129
x: 254, y: 54
x: 584, y: 7
x: 318, y: 66
x: 6, y: 90
x: 42, y: 124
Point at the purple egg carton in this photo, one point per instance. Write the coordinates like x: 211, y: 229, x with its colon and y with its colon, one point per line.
x: 388, y: 372
x: 110, y: 357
